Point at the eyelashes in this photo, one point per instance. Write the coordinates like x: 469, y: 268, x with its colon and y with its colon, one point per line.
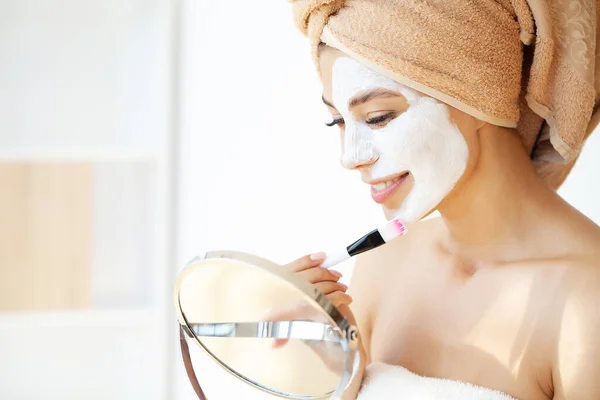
x: 337, y: 121
x: 381, y: 119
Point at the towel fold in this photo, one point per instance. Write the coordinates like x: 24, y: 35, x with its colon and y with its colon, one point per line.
x: 390, y: 382
x: 524, y: 64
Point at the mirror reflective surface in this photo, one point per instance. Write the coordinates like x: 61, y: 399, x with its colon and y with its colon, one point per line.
x: 264, y: 325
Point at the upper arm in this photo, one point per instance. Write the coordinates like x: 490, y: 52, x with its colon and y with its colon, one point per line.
x: 361, y: 289
x: 369, y: 284
x: 576, y: 372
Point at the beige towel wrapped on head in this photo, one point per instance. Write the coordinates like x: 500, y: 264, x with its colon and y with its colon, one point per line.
x: 524, y: 64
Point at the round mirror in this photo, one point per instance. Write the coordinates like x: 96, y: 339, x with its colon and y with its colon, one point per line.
x: 265, y: 325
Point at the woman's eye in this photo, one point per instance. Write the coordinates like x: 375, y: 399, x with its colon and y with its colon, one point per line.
x: 380, y: 119
x: 337, y: 121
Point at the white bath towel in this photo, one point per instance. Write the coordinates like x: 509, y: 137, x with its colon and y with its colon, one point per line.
x: 391, y: 382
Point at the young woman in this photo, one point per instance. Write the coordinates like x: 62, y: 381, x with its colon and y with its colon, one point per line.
x: 502, y: 291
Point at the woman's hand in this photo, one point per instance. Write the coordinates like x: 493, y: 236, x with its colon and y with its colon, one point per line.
x: 326, y: 280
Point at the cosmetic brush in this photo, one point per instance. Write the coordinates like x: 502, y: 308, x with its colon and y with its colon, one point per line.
x: 378, y: 237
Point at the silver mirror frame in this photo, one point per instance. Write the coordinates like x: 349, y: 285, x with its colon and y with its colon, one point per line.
x: 348, y: 334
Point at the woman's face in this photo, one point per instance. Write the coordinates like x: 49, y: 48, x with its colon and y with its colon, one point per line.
x: 405, y: 144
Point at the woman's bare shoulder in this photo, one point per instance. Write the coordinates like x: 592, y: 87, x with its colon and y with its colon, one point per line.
x: 372, y: 269
x: 576, y: 369
x: 420, y: 236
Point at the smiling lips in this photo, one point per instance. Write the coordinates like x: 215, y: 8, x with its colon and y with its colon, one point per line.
x: 382, y: 191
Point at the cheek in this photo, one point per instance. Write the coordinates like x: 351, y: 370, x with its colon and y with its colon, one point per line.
x: 424, y: 141
x: 428, y: 144
x: 405, y: 140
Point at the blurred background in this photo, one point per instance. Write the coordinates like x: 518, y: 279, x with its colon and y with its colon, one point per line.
x: 134, y: 135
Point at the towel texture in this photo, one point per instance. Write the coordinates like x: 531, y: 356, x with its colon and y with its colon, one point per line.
x: 524, y: 64
x: 390, y: 382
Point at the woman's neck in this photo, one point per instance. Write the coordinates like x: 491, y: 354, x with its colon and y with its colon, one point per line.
x: 503, y: 212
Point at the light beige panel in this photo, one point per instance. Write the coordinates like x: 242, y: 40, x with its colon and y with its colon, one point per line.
x: 45, y: 235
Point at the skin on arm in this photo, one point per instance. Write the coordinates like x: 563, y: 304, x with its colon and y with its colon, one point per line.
x: 353, y: 389
x: 327, y: 281
x: 362, y: 290
x: 576, y: 372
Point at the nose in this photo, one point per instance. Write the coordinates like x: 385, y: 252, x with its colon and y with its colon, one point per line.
x: 357, y: 150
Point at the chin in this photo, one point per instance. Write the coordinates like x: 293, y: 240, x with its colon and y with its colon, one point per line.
x: 389, y: 213
x: 394, y: 207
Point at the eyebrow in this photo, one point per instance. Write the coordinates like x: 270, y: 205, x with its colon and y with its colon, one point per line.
x: 365, y: 97
x: 370, y: 95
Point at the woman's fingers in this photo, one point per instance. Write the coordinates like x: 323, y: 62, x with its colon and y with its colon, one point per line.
x: 318, y: 274
x: 330, y: 287
x: 277, y: 343
x: 324, y: 279
x: 339, y: 299
x: 306, y: 262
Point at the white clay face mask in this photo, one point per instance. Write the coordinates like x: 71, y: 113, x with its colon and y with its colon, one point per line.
x: 422, y: 140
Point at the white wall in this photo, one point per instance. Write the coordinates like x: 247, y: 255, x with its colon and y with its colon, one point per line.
x: 91, y: 80
x: 259, y: 170
x: 84, y: 72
